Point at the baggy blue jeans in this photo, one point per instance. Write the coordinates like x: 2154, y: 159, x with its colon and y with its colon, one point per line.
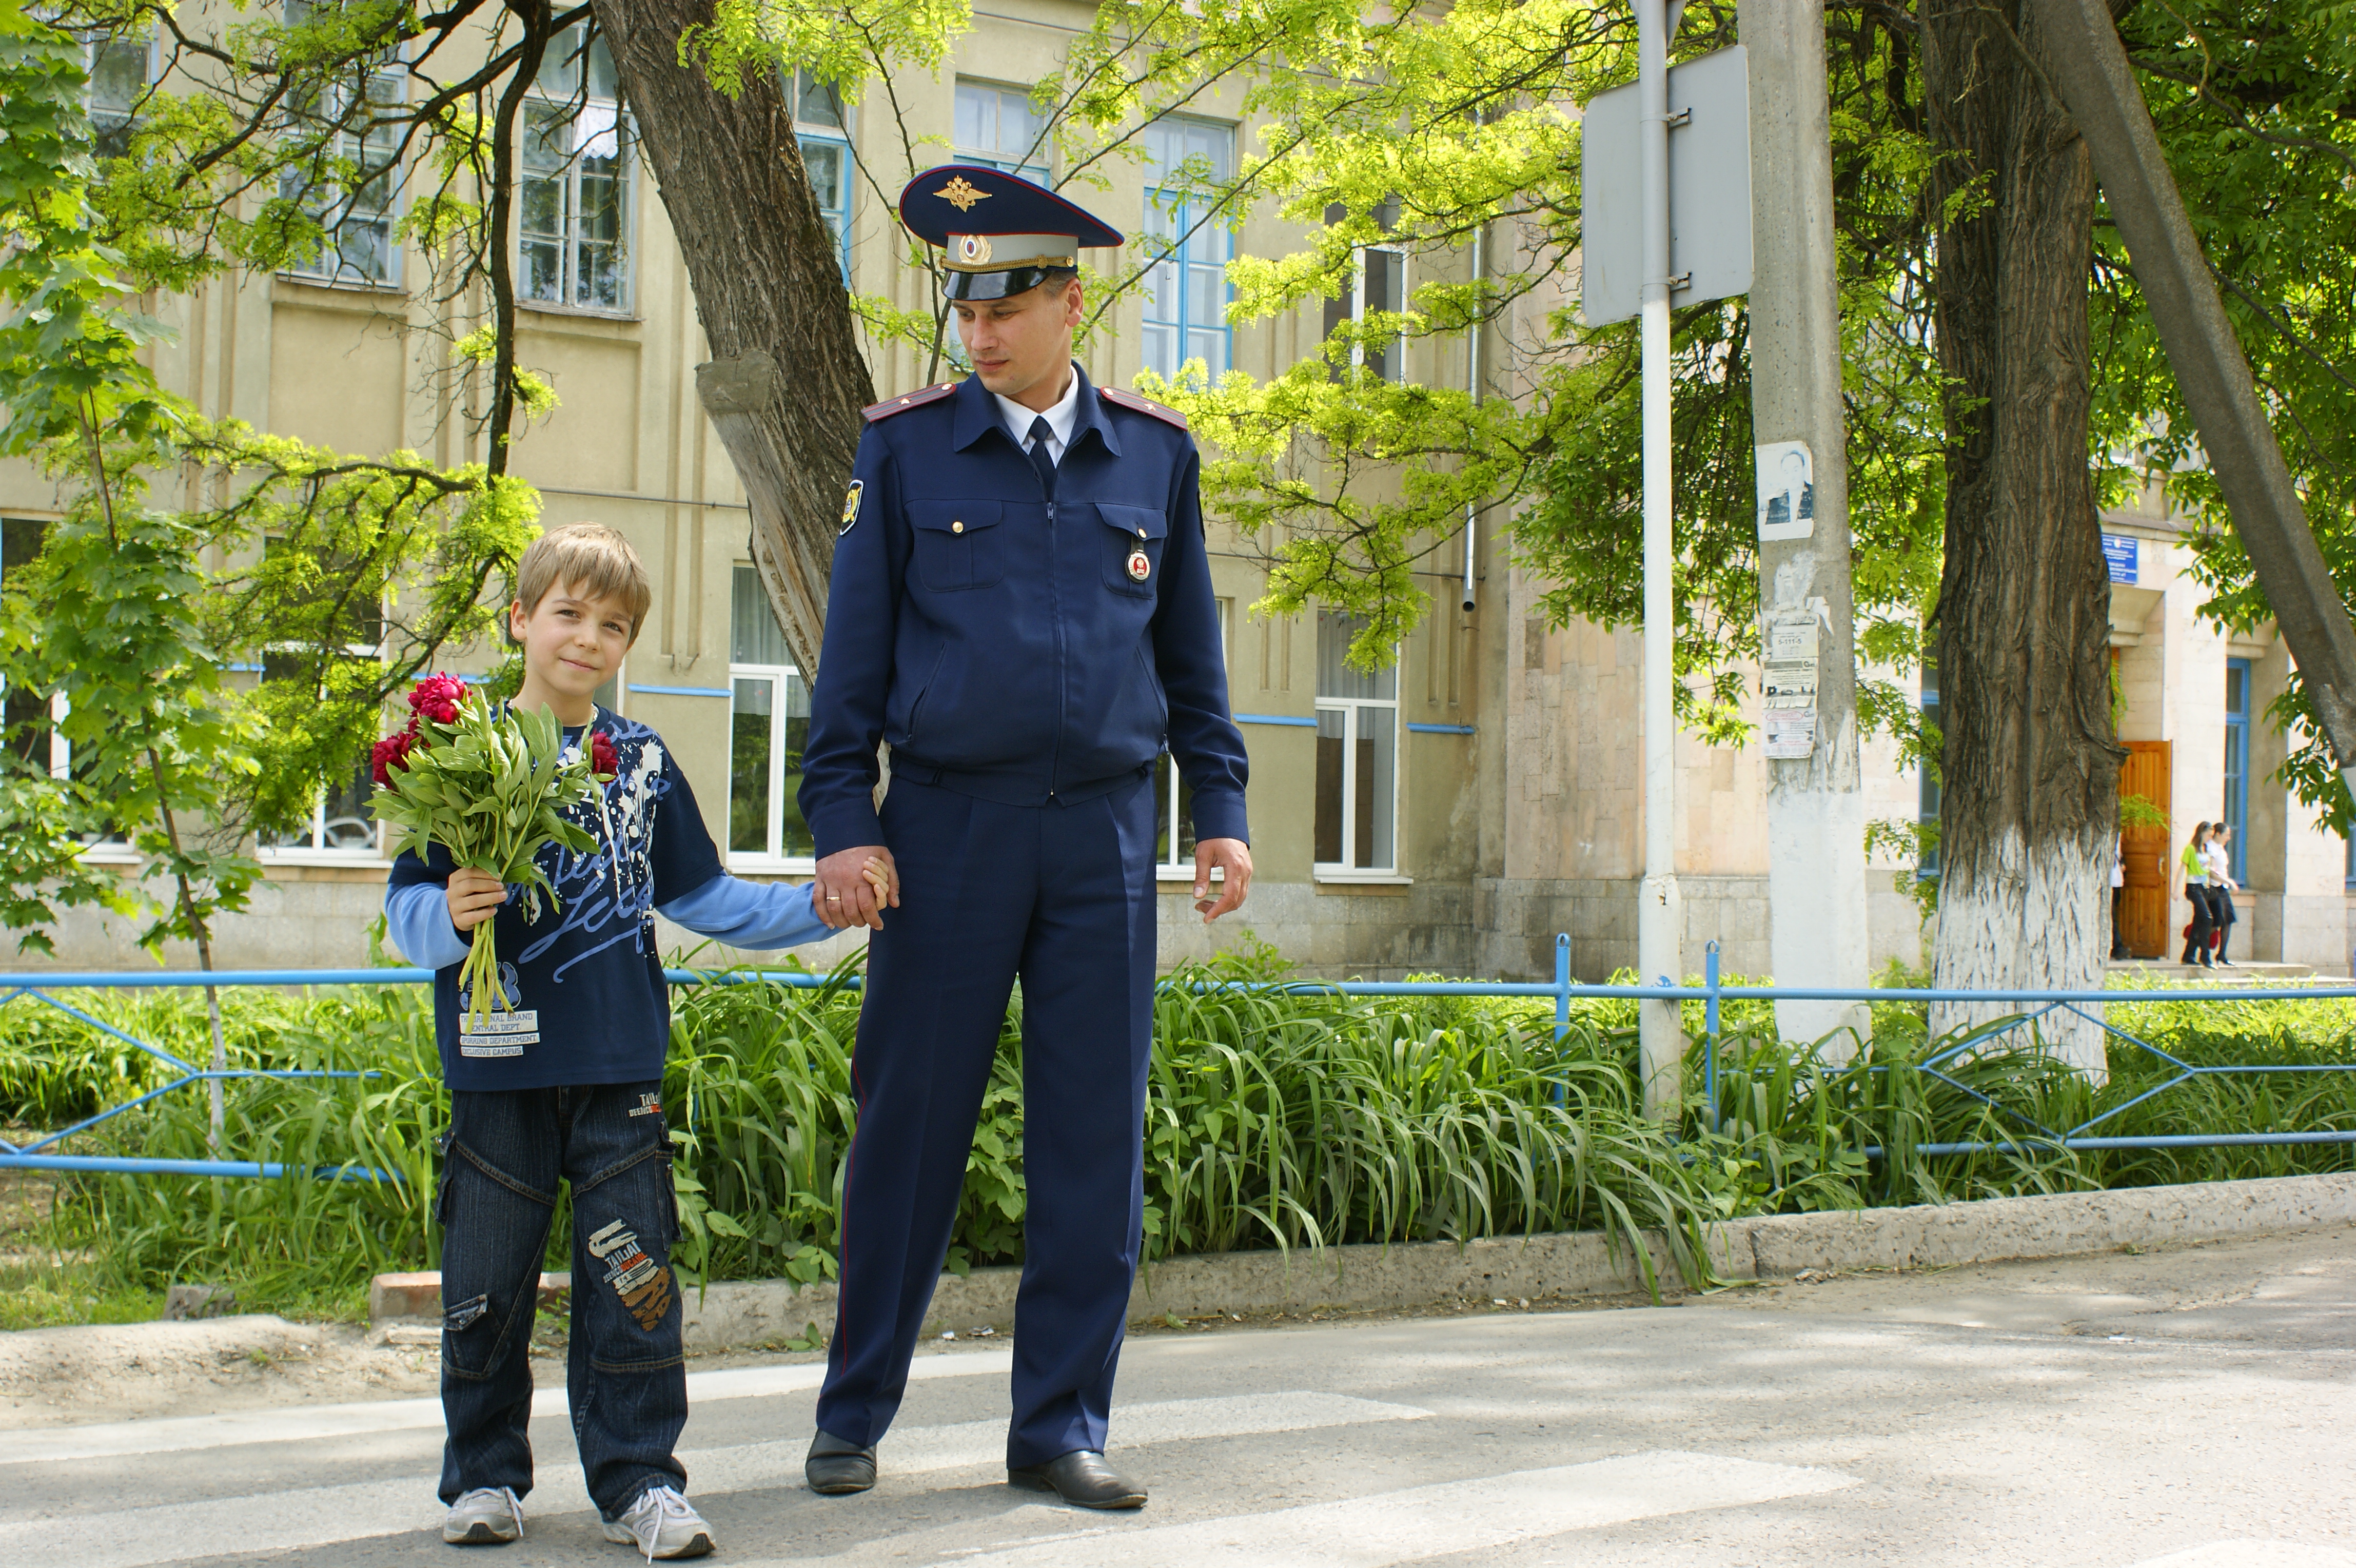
x: 626, y: 1376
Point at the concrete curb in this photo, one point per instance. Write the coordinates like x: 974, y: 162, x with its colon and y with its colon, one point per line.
x: 1556, y: 1267
x: 1562, y: 1267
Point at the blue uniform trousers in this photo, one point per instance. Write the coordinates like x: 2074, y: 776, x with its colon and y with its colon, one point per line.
x: 1061, y: 896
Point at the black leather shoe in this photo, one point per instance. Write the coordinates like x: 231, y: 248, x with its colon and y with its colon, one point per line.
x: 835, y: 1468
x: 1081, y: 1478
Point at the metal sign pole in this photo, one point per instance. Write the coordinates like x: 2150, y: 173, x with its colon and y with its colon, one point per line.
x: 1660, y: 917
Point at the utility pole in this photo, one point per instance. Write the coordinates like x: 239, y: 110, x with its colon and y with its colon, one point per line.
x: 1815, y: 805
x: 1660, y: 913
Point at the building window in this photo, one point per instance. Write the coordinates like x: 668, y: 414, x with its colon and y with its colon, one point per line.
x: 1186, y: 285
x: 350, y: 184
x: 1173, y: 800
x: 823, y: 128
x: 1927, y: 794
x: 2237, y: 758
x: 573, y: 221
x: 769, y: 730
x: 29, y: 718
x: 998, y: 127
x: 1377, y: 286
x: 121, y: 70
x: 1357, y: 755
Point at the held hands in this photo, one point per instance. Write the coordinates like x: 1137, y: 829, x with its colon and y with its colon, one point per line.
x: 473, y: 897
x: 854, y: 886
x: 1234, y: 857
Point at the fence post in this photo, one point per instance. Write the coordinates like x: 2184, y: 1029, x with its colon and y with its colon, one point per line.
x: 1710, y: 1033
x: 1562, y: 999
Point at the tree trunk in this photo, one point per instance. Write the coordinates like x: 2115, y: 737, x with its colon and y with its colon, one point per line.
x: 785, y: 380
x: 2023, y: 622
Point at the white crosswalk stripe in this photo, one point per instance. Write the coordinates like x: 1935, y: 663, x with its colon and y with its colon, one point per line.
x: 2255, y: 1555
x: 322, y: 1516
x: 49, y: 1445
x: 1419, y: 1522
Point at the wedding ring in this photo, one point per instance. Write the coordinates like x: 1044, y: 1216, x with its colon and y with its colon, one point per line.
x: 834, y: 898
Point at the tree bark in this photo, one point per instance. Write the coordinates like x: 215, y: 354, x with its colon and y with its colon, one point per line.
x: 2023, y: 622
x: 785, y: 380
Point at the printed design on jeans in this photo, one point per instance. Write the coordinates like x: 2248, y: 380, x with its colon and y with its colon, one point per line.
x: 643, y: 1284
x: 647, y: 1105
x: 607, y: 894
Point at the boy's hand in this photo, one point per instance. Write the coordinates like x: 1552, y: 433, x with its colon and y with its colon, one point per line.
x: 473, y: 897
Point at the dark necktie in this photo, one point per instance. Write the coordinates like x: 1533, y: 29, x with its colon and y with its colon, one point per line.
x: 1039, y: 459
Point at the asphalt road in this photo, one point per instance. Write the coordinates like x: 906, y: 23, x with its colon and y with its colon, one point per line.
x: 2191, y: 1409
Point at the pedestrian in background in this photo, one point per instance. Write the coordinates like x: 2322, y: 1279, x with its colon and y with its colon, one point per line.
x: 2219, y: 855
x: 2196, y: 893
x: 2118, y: 894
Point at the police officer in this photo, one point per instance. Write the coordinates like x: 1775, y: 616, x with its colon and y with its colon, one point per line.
x: 1022, y: 608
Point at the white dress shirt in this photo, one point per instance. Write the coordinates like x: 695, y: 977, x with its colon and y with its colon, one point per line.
x: 1059, y: 419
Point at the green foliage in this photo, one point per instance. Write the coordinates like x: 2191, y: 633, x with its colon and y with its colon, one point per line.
x: 1274, y: 1118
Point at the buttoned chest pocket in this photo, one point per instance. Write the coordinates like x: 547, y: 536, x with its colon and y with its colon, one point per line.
x: 1134, y: 539
x: 957, y: 544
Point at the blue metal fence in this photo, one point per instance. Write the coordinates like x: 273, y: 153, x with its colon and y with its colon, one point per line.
x: 1711, y: 993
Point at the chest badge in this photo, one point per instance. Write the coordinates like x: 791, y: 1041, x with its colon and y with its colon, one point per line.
x: 1139, y: 567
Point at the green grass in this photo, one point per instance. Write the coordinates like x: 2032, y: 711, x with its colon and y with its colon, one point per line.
x: 1273, y: 1118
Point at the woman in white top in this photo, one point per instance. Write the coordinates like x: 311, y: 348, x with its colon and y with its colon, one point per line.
x: 2218, y: 854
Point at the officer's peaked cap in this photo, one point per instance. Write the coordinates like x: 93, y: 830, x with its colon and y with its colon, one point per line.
x: 1003, y: 235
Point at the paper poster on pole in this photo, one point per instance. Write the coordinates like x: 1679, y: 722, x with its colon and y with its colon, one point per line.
x: 1787, y: 491
x: 1791, y: 733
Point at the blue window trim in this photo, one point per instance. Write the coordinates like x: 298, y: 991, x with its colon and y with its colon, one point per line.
x: 1275, y: 719
x: 1180, y: 210
x: 637, y: 690
x: 839, y: 219
x: 2237, y: 757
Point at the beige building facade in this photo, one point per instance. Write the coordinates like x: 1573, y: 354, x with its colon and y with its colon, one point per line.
x: 1453, y: 813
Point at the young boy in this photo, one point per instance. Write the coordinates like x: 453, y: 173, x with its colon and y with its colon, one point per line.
x: 568, y: 1086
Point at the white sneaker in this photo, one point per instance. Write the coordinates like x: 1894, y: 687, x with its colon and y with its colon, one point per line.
x: 487, y: 1515
x: 660, y: 1524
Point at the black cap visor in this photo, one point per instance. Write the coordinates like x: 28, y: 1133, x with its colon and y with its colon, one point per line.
x: 979, y: 287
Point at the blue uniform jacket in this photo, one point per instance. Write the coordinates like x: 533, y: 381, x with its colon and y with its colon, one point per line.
x: 999, y: 640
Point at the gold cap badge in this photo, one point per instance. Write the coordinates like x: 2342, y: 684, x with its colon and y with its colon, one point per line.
x: 962, y: 193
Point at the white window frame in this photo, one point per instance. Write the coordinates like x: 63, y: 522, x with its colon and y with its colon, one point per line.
x: 1172, y: 865
x: 583, y: 106
x: 89, y: 51
x: 1396, y: 375
x: 318, y: 851
x: 771, y: 860
x: 1001, y: 156
x: 387, y: 85
x: 1351, y: 708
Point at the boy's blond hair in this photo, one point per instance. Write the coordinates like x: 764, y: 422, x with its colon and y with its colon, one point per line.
x: 591, y: 559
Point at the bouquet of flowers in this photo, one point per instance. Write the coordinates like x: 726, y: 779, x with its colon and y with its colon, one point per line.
x: 489, y: 787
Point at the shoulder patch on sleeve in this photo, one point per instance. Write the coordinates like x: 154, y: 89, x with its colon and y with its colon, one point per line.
x: 1129, y: 399
x: 906, y: 401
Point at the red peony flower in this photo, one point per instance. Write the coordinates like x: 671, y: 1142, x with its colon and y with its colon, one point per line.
x: 437, y: 697
x: 602, y: 760
x: 392, y: 752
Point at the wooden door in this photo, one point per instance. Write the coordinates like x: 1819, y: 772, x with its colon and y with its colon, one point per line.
x: 2144, y: 912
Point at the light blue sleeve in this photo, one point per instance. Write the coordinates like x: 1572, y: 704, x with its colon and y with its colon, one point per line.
x: 419, y: 920
x: 754, y: 915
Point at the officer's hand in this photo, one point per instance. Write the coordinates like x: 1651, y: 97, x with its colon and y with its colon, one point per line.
x: 1234, y: 857
x: 473, y: 897
x: 845, y: 897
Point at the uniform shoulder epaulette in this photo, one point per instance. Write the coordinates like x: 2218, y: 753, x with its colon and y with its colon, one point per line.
x: 1143, y: 405
x: 906, y: 401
